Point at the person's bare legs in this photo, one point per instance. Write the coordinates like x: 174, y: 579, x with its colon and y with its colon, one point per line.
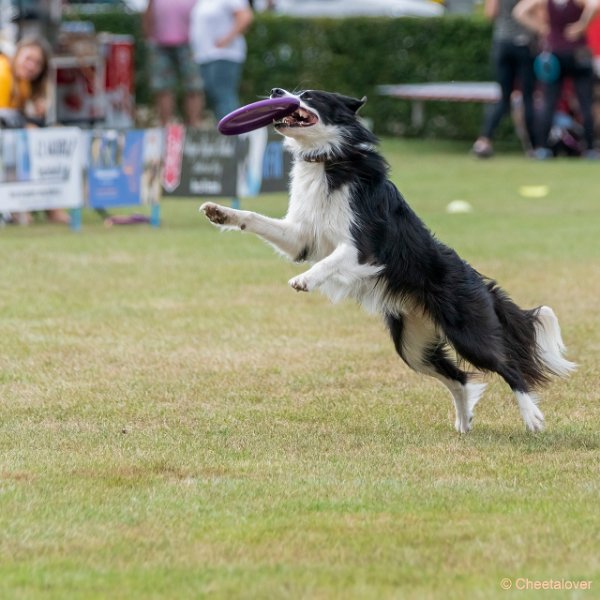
x: 58, y: 215
x: 193, y: 106
x: 165, y: 107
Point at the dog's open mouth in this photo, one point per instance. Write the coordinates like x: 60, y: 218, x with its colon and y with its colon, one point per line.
x: 299, y: 118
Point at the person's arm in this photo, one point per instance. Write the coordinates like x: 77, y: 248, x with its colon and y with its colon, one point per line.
x: 574, y: 31
x: 531, y: 14
x: 242, y: 20
x: 148, y: 20
x: 490, y: 9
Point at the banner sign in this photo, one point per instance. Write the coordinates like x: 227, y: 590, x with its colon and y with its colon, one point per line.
x: 206, y: 163
x: 124, y: 167
x: 44, y: 168
x: 40, y: 169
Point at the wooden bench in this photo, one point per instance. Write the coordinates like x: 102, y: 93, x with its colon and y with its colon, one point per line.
x: 453, y: 91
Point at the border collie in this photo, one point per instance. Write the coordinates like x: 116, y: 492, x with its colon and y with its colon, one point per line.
x: 363, y: 240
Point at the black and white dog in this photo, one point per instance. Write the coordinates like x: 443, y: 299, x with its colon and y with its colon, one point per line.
x: 365, y: 242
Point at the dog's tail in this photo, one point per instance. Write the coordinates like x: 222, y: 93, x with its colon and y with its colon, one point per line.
x: 532, y: 339
x: 550, y: 347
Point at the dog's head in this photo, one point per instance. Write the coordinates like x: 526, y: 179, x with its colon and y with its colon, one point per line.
x: 321, y: 121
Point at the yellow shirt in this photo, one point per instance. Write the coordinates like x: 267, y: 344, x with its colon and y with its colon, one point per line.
x: 12, y: 95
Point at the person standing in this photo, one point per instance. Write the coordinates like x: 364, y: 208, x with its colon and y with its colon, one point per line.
x: 166, y: 28
x: 512, y: 55
x: 217, y: 30
x: 563, y: 27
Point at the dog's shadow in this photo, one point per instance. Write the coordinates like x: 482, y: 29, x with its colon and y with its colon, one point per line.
x: 556, y: 437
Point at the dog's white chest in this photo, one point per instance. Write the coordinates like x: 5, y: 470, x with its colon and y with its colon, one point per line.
x: 324, y: 216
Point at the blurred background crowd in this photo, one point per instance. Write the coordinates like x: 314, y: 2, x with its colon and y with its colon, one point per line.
x: 126, y: 63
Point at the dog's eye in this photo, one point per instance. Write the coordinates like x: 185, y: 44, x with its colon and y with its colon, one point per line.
x: 306, y: 96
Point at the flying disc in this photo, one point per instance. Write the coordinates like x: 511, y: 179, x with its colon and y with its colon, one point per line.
x: 257, y: 115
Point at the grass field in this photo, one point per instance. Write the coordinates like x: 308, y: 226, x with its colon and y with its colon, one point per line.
x: 176, y: 422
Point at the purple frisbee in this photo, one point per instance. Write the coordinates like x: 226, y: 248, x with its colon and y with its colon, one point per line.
x: 257, y: 115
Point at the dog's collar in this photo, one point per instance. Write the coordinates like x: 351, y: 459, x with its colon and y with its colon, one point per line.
x: 328, y: 158
x: 319, y: 158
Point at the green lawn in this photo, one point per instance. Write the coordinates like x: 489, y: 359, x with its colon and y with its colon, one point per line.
x: 176, y: 422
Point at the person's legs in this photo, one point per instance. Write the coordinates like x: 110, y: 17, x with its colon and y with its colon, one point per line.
x: 193, y: 103
x: 225, y: 81
x: 526, y: 76
x: 551, y: 97
x: 193, y: 107
x: 58, y: 215
x: 505, y: 76
x: 165, y: 106
x: 207, y: 72
x: 162, y: 81
x: 583, y: 81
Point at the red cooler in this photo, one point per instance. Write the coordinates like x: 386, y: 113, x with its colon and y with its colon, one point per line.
x: 118, y: 52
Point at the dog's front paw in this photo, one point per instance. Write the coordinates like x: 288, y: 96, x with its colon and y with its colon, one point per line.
x: 300, y: 283
x: 219, y: 215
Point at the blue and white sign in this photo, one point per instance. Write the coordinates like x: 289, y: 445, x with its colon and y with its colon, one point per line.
x: 124, y: 167
x: 40, y: 169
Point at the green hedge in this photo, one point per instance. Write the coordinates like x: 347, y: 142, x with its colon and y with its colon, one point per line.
x: 353, y: 56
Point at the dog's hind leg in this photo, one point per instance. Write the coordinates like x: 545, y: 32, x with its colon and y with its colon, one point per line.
x: 465, y: 393
x: 488, y: 354
x: 419, y: 344
x: 532, y: 415
x: 527, y: 401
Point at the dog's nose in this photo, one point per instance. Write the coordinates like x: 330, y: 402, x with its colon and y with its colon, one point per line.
x: 277, y: 93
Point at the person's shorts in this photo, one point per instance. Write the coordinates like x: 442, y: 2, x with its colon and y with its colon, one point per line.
x: 169, y: 65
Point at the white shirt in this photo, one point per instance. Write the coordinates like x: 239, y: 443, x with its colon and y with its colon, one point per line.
x: 210, y: 21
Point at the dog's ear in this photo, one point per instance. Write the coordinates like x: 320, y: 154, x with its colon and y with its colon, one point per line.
x: 354, y: 104
x: 362, y: 101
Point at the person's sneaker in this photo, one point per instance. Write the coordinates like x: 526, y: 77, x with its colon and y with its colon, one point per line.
x: 542, y: 154
x: 482, y: 148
